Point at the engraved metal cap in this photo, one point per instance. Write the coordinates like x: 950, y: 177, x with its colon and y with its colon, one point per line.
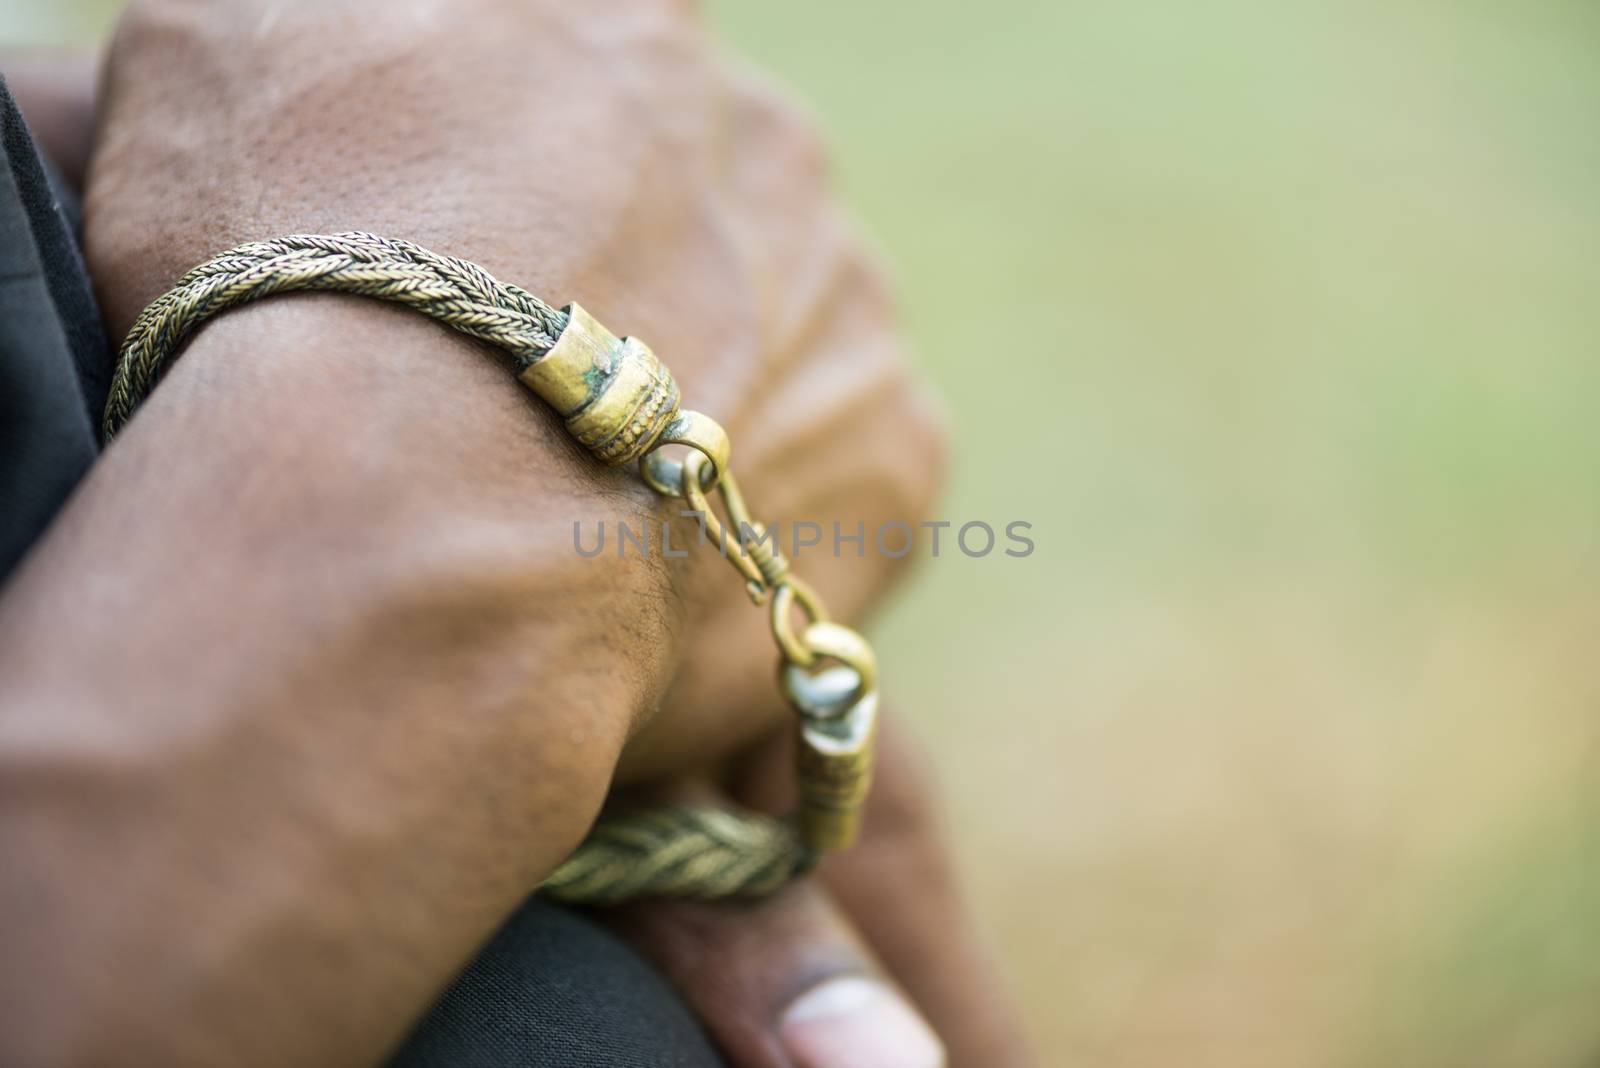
x: 615, y: 396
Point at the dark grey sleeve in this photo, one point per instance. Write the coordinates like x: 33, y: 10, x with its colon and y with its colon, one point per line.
x: 53, y: 358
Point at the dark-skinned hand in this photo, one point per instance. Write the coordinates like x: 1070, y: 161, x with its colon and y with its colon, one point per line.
x: 308, y: 687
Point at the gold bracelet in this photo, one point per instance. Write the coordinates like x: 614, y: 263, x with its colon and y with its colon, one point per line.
x: 620, y: 402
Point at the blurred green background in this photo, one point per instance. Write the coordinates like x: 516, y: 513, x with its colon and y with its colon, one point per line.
x: 1281, y: 748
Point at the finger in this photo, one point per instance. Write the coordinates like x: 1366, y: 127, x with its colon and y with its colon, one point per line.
x: 899, y: 889
x: 783, y: 982
x: 926, y: 935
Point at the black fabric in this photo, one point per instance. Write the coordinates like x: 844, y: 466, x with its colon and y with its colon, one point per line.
x: 54, y: 218
x: 551, y: 990
x: 53, y: 357
x: 554, y: 989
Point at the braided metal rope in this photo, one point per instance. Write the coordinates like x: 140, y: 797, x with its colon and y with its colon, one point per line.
x: 458, y: 293
x: 666, y: 851
x: 680, y: 852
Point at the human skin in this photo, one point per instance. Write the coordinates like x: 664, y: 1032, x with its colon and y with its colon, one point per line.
x: 307, y: 688
x: 55, y: 90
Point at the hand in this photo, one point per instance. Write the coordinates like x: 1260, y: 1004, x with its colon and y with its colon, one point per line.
x: 398, y: 542
x: 678, y: 199
x: 809, y: 977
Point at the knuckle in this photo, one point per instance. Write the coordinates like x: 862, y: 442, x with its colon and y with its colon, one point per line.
x: 775, y: 125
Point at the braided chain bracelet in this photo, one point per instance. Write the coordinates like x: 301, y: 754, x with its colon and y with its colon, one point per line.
x: 621, y: 404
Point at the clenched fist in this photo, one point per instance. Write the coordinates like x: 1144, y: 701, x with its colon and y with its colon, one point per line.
x: 354, y: 692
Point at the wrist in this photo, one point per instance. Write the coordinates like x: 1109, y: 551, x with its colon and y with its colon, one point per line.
x: 320, y: 598
x: 336, y: 506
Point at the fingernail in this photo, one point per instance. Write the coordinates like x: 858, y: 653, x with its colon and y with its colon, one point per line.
x: 852, y: 1022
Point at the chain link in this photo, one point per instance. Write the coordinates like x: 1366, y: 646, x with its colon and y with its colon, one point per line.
x: 828, y: 673
x: 753, y: 550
